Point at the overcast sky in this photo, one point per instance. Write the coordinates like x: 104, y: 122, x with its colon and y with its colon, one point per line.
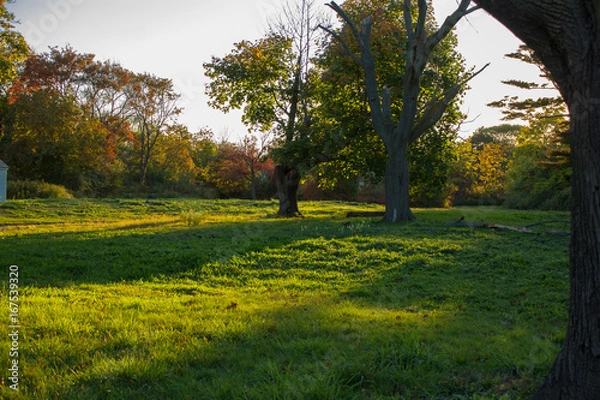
x: 172, y: 39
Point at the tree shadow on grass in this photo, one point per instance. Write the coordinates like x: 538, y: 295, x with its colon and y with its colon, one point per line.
x: 141, y: 251
x: 316, y: 347
x: 363, y: 312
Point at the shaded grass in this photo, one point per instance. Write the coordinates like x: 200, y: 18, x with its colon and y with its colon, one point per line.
x: 221, y: 300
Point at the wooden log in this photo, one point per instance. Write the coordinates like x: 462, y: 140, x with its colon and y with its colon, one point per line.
x: 365, y: 214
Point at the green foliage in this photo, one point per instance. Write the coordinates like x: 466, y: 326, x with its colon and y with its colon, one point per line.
x: 49, y: 138
x: 344, y: 131
x: 533, y: 185
x: 514, y: 108
x: 13, y: 45
x: 217, y: 299
x: 479, y: 175
x: 35, y: 190
x: 505, y: 134
x: 540, y: 169
x: 430, y: 162
x: 254, y: 77
x: 535, y: 169
x: 531, y: 170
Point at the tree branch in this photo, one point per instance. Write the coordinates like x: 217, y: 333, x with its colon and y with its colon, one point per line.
x: 367, y: 62
x: 449, y: 23
x: 436, y: 107
x: 339, y: 11
x: 343, y: 43
x: 421, y: 31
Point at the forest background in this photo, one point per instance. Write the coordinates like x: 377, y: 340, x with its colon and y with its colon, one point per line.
x: 72, y: 125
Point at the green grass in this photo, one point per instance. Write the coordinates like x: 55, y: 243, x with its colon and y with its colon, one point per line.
x: 187, y: 299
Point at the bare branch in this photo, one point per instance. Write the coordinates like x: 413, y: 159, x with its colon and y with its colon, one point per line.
x: 437, y: 106
x: 343, y: 43
x: 408, y: 19
x: 339, y: 11
x: 387, y: 106
x: 421, y: 31
x: 449, y: 23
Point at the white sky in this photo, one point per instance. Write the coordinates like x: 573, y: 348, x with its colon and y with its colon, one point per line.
x: 172, y: 39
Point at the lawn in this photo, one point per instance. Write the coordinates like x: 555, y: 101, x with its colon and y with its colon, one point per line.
x: 194, y: 299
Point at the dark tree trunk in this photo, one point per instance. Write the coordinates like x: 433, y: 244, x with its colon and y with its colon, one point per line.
x: 287, y: 180
x: 566, y: 36
x: 253, y: 184
x: 576, y: 371
x: 397, y: 201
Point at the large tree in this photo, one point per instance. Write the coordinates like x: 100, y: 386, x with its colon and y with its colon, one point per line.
x: 399, y: 128
x: 268, y: 79
x: 565, y: 35
x: 343, y: 137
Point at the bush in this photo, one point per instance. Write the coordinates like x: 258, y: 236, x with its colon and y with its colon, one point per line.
x: 36, y: 190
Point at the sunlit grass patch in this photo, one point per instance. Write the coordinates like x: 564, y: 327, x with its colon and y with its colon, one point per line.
x: 129, y: 299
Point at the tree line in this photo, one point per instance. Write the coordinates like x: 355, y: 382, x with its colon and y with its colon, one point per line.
x: 99, y: 129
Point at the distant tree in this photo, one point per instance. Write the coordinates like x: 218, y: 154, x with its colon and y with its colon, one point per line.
x: 173, y: 161
x: 540, y: 169
x: 106, y: 98
x: 227, y: 170
x: 254, y: 156
x: 479, y: 173
x: 48, y: 137
x: 500, y: 134
x: 96, y: 88
x: 133, y: 110
x: 154, y: 111
x: 539, y: 173
x: 398, y: 131
x: 62, y: 70
x: 237, y: 169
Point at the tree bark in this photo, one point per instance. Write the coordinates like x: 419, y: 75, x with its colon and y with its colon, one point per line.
x: 287, y: 180
x: 253, y: 184
x: 397, y: 199
x: 565, y: 35
x: 576, y: 371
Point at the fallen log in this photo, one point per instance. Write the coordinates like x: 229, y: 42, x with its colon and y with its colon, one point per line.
x: 461, y: 223
x: 365, y: 214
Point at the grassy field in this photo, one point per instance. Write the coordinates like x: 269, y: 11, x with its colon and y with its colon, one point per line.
x: 187, y: 299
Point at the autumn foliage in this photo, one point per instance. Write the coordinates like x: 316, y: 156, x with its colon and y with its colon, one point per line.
x: 99, y: 129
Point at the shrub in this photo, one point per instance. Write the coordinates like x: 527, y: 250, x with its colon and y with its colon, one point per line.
x: 36, y: 190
